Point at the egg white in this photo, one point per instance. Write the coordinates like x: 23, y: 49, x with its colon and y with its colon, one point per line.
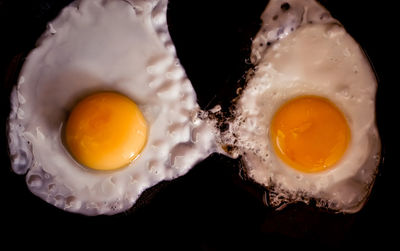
x: 95, y: 45
x: 299, y: 51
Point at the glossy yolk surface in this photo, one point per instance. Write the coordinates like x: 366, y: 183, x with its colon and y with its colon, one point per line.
x: 309, y: 133
x: 105, y: 131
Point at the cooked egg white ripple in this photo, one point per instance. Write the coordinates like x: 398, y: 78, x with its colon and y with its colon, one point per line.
x: 280, y: 18
x: 96, y: 45
x: 302, y: 51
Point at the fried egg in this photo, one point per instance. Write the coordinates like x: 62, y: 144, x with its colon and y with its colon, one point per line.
x: 103, y: 108
x: 304, y: 124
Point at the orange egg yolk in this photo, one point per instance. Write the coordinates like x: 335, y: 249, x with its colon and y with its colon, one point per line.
x: 309, y: 133
x: 105, y: 131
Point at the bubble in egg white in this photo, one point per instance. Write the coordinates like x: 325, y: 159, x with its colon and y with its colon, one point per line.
x: 301, y: 50
x: 96, y: 45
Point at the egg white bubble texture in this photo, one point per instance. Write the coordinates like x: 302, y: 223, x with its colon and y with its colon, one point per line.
x: 96, y: 45
x: 300, y: 51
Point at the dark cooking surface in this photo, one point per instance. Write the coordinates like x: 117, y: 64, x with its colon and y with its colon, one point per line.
x: 210, y: 208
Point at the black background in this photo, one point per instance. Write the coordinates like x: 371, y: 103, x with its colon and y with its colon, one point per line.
x: 210, y: 208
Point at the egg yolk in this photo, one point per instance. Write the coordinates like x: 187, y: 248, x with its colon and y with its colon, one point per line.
x: 309, y: 133
x: 105, y: 131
